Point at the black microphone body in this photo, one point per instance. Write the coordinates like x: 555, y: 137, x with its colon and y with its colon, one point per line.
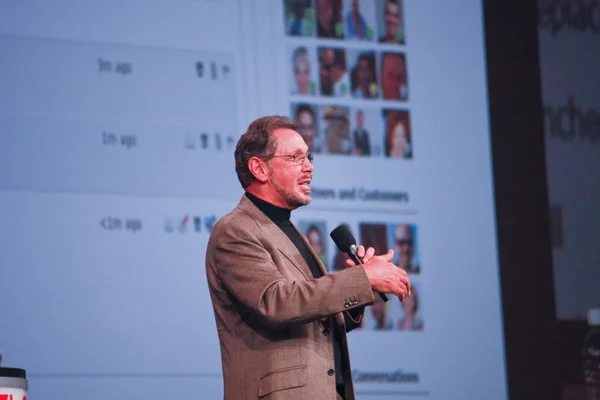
x: 346, y: 242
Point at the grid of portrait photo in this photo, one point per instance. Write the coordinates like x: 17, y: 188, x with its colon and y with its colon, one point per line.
x: 392, y: 315
x: 347, y: 78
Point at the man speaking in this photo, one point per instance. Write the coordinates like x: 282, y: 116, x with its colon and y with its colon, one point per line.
x: 281, y: 319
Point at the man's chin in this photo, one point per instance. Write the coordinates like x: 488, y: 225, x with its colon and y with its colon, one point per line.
x: 302, y: 201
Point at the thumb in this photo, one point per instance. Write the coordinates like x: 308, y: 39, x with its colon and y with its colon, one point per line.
x: 389, y: 256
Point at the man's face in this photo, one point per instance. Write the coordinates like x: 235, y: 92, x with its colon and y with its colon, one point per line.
x: 355, y: 6
x: 299, y: 10
x: 326, y: 67
x: 391, y: 16
x: 289, y: 180
x: 324, y: 12
x: 360, y: 120
x: 404, y: 245
x: 393, y: 75
x: 306, y: 129
x: 302, y: 74
x: 314, y: 238
x: 336, y: 134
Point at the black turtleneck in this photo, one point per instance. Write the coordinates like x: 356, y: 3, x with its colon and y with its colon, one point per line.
x: 281, y: 218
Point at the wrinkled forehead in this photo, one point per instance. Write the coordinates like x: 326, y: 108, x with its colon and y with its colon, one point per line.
x: 289, y: 141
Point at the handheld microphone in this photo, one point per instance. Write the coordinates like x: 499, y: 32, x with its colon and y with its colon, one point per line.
x: 346, y: 242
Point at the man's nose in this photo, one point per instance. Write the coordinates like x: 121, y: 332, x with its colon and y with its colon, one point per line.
x: 307, y: 166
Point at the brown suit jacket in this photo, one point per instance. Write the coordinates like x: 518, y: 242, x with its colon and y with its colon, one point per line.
x: 272, y: 316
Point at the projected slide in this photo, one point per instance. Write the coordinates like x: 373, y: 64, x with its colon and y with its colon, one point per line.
x: 118, y: 131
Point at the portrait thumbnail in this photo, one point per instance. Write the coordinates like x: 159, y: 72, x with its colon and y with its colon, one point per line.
x: 397, y: 134
x: 299, y: 17
x: 379, y: 315
x: 339, y: 258
x: 365, y: 128
x: 333, y: 72
x: 363, y: 74
x: 329, y: 19
x: 390, y: 17
x: 303, y: 72
x: 411, y: 310
x: 404, y: 240
x: 393, y: 76
x: 359, y: 20
x: 335, y: 129
x: 374, y: 235
x: 316, y: 233
x: 306, y: 116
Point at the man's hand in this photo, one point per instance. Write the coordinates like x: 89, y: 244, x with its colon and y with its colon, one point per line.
x: 384, y: 276
x: 363, y: 254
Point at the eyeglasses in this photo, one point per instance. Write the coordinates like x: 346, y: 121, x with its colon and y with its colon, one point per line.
x: 297, y: 158
x: 404, y: 242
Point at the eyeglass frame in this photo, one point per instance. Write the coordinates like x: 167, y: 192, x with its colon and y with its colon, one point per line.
x: 310, y: 156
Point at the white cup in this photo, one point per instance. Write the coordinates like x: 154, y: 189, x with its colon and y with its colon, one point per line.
x: 13, y: 384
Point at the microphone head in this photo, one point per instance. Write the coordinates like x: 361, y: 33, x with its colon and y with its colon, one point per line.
x: 343, y: 238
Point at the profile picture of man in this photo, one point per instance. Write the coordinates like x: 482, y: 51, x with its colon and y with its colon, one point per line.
x: 302, y: 81
x: 391, y: 26
x: 306, y: 117
x: 336, y: 129
x: 411, y: 319
x: 362, y: 142
x: 398, y: 137
x: 393, y: 76
x: 333, y: 75
x: 359, y: 21
x: 329, y: 19
x: 403, y: 238
x: 299, y: 18
x: 363, y: 77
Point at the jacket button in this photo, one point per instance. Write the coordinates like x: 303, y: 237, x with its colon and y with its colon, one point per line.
x: 325, y: 331
x: 330, y: 372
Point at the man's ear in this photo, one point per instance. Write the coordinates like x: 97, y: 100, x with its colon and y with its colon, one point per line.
x: 258, y: 168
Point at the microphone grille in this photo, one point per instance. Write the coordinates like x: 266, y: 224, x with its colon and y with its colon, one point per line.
x: 343, y: 238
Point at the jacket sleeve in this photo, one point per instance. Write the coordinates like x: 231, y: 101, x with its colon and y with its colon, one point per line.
x: 247, y: 271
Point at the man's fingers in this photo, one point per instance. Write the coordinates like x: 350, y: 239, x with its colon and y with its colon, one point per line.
x: 360, y: 251
x: 368, y: 254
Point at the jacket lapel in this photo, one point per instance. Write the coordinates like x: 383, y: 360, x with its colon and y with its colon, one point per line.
x: 280, y: 239
x: 285, y: 245
x: 312, y: 251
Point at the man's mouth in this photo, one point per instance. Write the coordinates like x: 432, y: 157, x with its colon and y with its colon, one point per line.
x: 305, y: 182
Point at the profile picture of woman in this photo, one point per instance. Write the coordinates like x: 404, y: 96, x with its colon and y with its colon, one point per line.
x: 363, y: 77
x: 398, y: 140
x: 315, y: 234
x: 302, y: 72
